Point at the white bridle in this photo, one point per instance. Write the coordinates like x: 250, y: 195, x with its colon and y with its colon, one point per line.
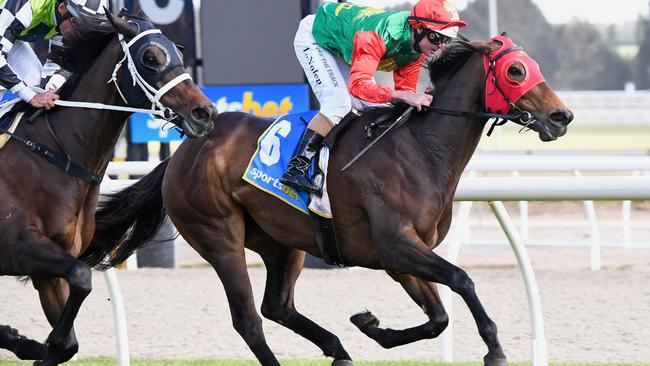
x: 154, y: 95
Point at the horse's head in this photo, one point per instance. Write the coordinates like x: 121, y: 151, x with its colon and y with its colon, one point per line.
x: 154, y: 74
x: 515, y: 84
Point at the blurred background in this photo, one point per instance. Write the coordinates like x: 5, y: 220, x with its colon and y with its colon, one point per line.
x: 595, y: 53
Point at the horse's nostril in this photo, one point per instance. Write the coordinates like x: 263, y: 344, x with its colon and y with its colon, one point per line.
x: 201, y: 113
x: 563, y: 117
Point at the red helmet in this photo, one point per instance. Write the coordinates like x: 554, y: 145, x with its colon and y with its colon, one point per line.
x: 436, y: 15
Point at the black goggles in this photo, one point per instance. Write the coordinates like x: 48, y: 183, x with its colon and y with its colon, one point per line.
x: 437, y: 38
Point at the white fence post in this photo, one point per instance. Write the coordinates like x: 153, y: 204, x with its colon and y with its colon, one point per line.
x: 456, y: 239
x: 595, y: 263
x: 117, y: 303
x: 540, y: 357
x: 119, y: 317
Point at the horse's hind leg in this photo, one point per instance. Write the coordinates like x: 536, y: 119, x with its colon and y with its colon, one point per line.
x: 425, y: 294
x: 221, y: 243
x: 283, y: 266
x: 24, y: 348
x: 37, y: 256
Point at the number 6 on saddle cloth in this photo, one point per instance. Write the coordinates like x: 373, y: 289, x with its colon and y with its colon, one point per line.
x: 275, y: 148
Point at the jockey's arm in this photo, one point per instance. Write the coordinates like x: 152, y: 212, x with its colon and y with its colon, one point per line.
x: 406, y: 77
x: 366, y: 55
x: 368, y: 50
x: 54, y: 75
x: 17, y: 16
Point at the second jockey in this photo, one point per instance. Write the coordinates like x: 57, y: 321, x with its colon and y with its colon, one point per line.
x: 342, y: 46
x: 60, y: 22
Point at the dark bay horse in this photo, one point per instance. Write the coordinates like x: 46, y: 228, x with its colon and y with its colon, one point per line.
x: 48, y: 215
x: 390, y: 209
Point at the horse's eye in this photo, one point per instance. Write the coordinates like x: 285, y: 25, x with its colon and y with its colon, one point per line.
x: 515, y: 72
x: 155, y: 58
x: 149, y: 58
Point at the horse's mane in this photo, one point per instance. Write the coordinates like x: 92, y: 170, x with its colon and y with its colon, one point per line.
x: 78, y: 58
x: 445, y: 63
x: 442, y: 67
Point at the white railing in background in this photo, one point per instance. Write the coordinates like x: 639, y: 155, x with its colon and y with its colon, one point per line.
x: 515, y: 164
x: 577, y: 165
x: 608, y: 107
x: 495, y: 190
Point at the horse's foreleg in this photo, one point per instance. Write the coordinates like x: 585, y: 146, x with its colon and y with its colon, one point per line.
x: 38, y: 257
x: 283, y: 266
x: 402, y: 250
x: 23, y: 347
x: 54, y: 294
x: 425, y: 294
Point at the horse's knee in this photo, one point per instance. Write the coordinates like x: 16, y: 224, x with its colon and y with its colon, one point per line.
x: 276, y: 312
x: 440, y: 323
x: 488, y: 330
x: 249, y: 327
x: 80, y: 280
x: 460, y: 282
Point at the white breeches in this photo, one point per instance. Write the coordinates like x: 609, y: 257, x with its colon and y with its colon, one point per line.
x: 327, y: 74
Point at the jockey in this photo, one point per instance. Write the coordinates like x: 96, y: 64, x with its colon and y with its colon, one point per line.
x: 33, y: 20
x: 343, y: 45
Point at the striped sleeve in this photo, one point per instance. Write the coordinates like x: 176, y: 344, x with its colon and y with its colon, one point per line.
x: 15, y: 16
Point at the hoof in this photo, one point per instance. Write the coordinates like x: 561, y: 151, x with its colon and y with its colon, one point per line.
x: 7, y: 335
x: 342, y: 363
x: 364, y: 319
x: 495, y: 361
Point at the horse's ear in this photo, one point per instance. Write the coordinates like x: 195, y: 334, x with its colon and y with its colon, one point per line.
x: 483, y: 47
x: 128, y: 30
x: 505, y: 34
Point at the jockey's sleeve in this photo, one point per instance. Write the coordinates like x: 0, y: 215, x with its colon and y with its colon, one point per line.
x: 368, y: 50
x: 15, y: 16
x: 406, y: 77
x: 53, y: 73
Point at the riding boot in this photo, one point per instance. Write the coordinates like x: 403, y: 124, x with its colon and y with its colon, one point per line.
x: 297, y: 173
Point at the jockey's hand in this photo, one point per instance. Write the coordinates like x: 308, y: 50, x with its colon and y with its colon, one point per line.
x: 44, y: 100
x: 417, y: 100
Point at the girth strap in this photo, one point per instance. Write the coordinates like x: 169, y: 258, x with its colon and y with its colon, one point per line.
x: 58, y: 159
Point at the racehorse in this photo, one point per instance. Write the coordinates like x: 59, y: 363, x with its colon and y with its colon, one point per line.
x: 391, y: 208
x: 48, y: 214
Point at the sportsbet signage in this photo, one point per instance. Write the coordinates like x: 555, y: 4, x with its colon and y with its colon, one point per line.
x: 261, y: 100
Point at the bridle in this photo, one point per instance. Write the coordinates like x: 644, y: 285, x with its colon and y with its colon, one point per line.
x: 150, y: 92
x: 508, y: 95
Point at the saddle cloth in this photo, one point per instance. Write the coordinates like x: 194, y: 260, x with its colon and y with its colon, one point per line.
x: 8, y: 121
x: 275, y: 148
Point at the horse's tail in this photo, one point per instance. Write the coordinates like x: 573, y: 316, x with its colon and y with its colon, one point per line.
x: 126, y: 220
